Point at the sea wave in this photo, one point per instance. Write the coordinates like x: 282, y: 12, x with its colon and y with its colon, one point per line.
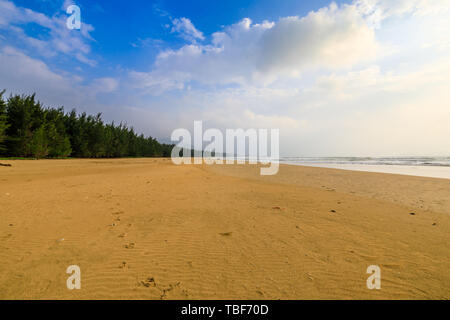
x: 404, y: 161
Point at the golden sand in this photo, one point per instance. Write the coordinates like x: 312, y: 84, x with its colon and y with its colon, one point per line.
x: 147, y: 229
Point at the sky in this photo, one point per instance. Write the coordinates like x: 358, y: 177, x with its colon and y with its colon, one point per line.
x: 343, y: 78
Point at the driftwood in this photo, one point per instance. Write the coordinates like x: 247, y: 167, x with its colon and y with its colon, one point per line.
x: 5, y: 165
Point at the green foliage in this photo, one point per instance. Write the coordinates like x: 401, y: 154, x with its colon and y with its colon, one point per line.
x: 39, y: 143
x: 29, y: 130
x: 57, y: 138
x: 3, y: 123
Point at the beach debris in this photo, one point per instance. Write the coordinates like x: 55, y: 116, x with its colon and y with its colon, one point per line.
x: 60, y: 240
x: 334, y: 211
x: 434, y: 224
x: 123, y: 265
x: 5, y: 165
x: 122, y: 235
x: 11, y: 225
x: 276, y: 208
x: 226, y: 234
x: 412, y: 213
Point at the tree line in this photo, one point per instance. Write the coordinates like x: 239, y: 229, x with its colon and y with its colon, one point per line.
x: 28, y: 129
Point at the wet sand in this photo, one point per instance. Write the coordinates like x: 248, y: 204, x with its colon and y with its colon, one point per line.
x: 147, y: 229
x: 420, y: 171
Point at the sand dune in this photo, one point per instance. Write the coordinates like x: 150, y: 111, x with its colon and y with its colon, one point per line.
x: 147, y: 229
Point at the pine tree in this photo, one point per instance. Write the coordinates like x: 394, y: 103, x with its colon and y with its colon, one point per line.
x: 32, y: 130
x: 24, y: 116
x: 3, y: 123
x: 39, y: 144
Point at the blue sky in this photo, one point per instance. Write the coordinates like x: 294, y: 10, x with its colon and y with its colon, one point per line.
x: 120, y: 25
x: 352, y: 78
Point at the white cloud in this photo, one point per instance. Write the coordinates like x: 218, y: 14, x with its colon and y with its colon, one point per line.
x: 370, y: 78
x: 333, y: 81
x: 66, y: 4
x: 333, y: 37
x: 22, y: 74
x: 61, y: 40
x: 186, y: 29
x: 147, y: 42
x: 376, y: 11
x: 107, y: 85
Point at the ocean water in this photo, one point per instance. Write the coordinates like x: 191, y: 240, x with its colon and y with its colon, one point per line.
x: 435, y: 167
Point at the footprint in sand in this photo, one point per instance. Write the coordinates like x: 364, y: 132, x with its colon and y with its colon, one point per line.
x: 260, y: 293
x: 149, y: 282
x: 129, y: 246
x: 172, y: 287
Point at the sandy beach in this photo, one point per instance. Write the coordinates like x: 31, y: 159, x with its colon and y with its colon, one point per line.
x: 147, y: 229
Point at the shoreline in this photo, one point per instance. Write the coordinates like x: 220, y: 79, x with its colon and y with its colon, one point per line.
x: 440, y: 172
x: 429, y: 171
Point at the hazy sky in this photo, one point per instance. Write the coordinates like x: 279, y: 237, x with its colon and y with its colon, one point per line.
x: 352, y: 78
